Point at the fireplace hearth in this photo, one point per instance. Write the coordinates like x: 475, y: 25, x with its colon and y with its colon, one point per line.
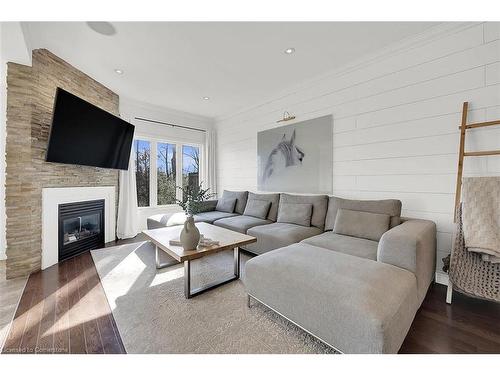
x: 81, y: 227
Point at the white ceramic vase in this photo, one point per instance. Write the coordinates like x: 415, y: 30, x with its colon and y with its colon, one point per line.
x: 190, y: 235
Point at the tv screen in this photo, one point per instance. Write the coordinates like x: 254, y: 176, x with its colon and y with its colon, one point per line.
x: 84, y: 134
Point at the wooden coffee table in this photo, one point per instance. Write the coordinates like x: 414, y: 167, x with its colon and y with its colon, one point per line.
x: 228, y: 240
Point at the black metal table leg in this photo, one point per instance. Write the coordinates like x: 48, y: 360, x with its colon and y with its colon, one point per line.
x: 187, y: 279
x: 237, y: 261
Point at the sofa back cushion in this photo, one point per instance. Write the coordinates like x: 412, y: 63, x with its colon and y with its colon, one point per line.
x: 241, y: 199
x: 295, y: 213
x: 273, y: 198
x: 391, y: 207
x: 226, y: 205
x: 257, y: 208
x: 208, y: 205
x: 361, y: 224
x: 319, y: 205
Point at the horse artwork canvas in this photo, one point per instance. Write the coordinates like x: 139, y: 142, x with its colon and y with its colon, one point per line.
x: 296, y: 158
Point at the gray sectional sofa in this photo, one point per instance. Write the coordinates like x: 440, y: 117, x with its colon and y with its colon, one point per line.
x: 353, y: 273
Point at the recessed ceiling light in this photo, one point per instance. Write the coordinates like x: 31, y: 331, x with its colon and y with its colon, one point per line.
x: 290, y: 50
x: 103, y: 28
x: 118, y: 71
x: 206, y: 98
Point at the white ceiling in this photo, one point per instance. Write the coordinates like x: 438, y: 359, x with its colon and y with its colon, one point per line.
x: 175, y: 65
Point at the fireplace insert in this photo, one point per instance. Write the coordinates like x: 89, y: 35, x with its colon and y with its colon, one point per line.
x: 81, y: 227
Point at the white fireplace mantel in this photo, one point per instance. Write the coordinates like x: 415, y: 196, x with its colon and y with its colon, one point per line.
x: 53, y: 197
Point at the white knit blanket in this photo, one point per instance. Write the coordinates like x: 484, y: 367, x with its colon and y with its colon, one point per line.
x: 481, y: 216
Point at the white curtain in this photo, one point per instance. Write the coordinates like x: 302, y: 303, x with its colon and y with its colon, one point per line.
x: 127, y: 225
x: 210, y: 162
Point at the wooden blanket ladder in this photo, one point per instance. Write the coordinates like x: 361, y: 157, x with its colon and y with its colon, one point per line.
x: 461, y: 155
x: 461, y: 152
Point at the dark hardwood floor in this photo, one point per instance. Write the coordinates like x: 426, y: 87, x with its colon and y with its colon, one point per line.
x: 468, y: 325
x: 64, y: 310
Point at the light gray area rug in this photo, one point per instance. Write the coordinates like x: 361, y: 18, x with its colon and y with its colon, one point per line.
x: 153, y: 316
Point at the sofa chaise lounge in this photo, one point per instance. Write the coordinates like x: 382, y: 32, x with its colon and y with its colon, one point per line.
x: 353, y: 273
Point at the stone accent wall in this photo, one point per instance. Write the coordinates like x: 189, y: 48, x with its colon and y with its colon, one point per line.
x: 30, y: 100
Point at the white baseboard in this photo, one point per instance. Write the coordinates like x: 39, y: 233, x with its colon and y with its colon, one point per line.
x: 441, y: 278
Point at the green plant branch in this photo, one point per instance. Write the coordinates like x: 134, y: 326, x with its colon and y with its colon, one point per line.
x: 193, y: 198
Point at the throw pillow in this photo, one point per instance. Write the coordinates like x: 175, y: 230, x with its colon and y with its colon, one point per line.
x: 257, y: 208
x: 361, y: 224
x: 241, y: 199
x: 226, y: 205
x: 295, y: 213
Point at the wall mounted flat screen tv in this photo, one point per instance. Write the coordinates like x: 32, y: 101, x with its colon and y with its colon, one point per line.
x: 84, y: 134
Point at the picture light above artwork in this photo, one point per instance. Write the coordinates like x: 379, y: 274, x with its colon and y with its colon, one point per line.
x: 286, y: 117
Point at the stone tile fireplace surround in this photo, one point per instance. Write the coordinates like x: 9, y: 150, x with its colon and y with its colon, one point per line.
x: 30, y: 100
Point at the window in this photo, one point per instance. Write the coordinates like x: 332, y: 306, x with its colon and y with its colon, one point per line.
x: 142, y: 171
x: 190, y: 166
x: 161, y: 166
x: 166, y: 172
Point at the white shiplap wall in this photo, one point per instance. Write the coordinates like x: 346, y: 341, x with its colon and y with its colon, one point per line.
x: 396, y: 118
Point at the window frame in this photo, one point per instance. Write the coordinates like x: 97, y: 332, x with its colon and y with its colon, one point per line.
x: 153, y: 171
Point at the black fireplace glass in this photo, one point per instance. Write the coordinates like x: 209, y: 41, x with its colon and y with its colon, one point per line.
x: 81, y: 227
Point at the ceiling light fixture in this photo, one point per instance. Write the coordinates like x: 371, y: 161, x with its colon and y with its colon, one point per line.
x: 103, y: 28
x: 290, y: 50
x: 118, y: 71
x: 206, y: 98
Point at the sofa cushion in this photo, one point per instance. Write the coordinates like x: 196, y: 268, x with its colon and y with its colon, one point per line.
x: 275, y: 235
x: 358, y: 247
x: 208, y: 205
x: 176, y: 218
x: 240, y: 223
x: 411, y: 246
x: 391, y: 207
x: 211, y: 216
x: 319, y: 203
x: 241, y: 199
x: 179, y: 218
x: 157, y: 221
x: 257, y: 208
x: 273, y: 198
x: 226, y: 205
x: 295, y: 213
x: 361, y: 224
x: 354, y: 304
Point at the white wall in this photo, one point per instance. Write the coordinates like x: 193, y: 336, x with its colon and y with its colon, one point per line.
x: 13, y: 48
x: 130, y: 109
x: 396, y: 118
